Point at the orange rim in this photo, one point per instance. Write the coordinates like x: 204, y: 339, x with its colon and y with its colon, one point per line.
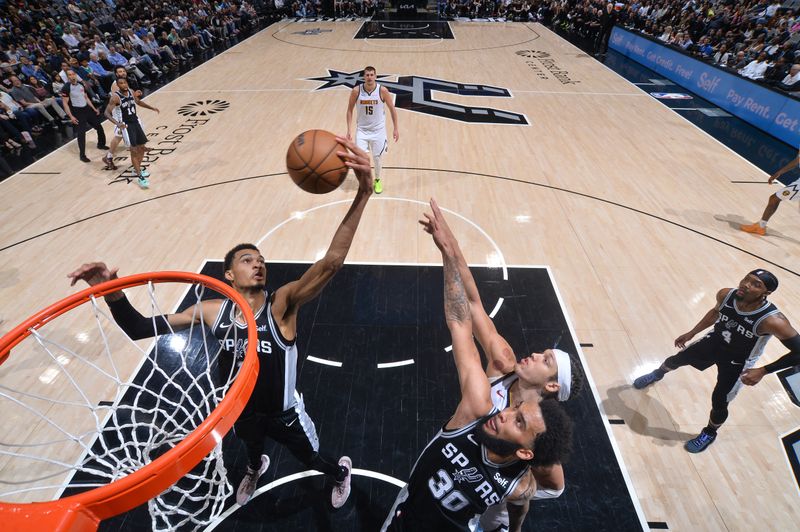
x: 85, y: 510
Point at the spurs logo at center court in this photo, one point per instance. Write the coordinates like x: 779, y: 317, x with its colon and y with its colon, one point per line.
x: 414, y: 93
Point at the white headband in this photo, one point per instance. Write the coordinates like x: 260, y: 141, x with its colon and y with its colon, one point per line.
x: 564, y: 374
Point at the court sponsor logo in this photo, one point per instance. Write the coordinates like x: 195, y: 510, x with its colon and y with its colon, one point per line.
x: 163, y: 141
x: 545, y: 67
x: 315, y: 31
x: 415, y: 93
x: 670, y: 96
x: 204, y: 108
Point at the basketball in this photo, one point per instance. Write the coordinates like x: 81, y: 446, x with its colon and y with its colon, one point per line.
x: 312, y: 161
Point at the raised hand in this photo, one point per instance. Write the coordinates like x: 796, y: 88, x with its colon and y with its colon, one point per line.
x: 358, y: 160
x: 436, y: 226
x: 93, y: 273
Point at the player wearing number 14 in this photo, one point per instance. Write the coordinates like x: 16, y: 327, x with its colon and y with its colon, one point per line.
x: 743, y: 321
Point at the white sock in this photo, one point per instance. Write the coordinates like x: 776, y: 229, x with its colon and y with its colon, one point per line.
x: 377, y: 167
x: 762, y: 223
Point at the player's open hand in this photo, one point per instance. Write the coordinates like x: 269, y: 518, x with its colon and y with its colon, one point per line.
x: 680, y: 341
x: 93, y: 273
x: 358, y: 160
x: 773, y: 177
x: 435, y: 225
x: 753, y: 376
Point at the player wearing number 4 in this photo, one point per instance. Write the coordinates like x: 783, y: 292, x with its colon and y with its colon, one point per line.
x: 481, y: 456
x: 370, y: 98
x: 743, y: 321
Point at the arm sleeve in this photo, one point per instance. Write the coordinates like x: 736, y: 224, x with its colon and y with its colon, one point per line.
x: 134, y: 324
x: 792, y: 358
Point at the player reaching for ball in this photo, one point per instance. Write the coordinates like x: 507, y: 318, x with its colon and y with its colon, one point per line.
x: 275, y: 409
x: 371, y: 97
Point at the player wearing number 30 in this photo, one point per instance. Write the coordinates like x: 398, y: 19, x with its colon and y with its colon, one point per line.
x: 370, y: 100
x: 743, y: 321
x: 481, y: 456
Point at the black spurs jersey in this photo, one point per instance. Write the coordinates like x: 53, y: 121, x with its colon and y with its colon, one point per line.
x: 736, y: 331
x: 274, y: 391
x: 452, y: 483
x: 127, y: 106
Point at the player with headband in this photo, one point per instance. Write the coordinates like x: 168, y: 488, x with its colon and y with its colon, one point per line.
x: 743, y: 321
x: 552, y: 373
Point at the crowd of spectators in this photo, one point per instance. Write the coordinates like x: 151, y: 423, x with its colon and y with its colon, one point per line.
x: 758, y: 39
x: 40, y: 41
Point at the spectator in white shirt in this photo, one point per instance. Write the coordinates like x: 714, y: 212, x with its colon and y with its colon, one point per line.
x: 792, y: 80
x: 755, y: 69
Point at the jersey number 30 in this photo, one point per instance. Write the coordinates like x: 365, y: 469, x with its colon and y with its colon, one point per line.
x: 441, y: 486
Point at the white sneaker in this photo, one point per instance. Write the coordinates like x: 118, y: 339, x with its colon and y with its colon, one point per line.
x: 341, y: 490
x: 248, y: 484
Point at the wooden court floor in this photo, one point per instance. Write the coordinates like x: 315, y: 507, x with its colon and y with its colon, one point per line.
x: 632, y: 207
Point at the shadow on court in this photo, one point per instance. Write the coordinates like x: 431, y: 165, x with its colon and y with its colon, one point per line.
x: 618, y: 402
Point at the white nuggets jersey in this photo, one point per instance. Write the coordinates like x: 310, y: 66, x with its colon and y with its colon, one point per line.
x: 371, y: 116
x: 501, y: 386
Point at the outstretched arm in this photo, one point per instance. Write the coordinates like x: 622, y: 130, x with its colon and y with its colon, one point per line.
x: 709, y: 319
x: 500, y: 356
x: 128, y: 318
x: 791, y: 164
x: 475, y: 401
x: 290, y: 297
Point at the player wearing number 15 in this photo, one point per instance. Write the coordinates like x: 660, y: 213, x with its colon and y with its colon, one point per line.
x: 370, y: 99
x: 743, y: 321
x: 481, y: 456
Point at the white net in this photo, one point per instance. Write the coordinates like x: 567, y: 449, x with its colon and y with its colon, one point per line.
x: 83, y: 406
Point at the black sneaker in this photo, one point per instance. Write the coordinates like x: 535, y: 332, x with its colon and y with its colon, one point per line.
x: 103, y: 147
x: 648, y: 379
x: 700, y: 443
x: 85, y: 159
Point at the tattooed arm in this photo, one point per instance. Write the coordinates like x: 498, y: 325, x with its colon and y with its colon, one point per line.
x: 475, y: 400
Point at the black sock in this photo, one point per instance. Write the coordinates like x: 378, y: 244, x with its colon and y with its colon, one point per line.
x: 711, y: 431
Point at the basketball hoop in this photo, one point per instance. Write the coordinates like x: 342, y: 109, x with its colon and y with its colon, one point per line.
x: 194, y: 443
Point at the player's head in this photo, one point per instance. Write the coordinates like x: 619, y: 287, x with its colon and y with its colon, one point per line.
x: 370, y: 74
x: 553, y: 373
x: 244, y: 268
x: 756, y: 286
x: 120, y: 72
x: 555, y: 445
x: 511, y: 433
x: 122, y: 83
